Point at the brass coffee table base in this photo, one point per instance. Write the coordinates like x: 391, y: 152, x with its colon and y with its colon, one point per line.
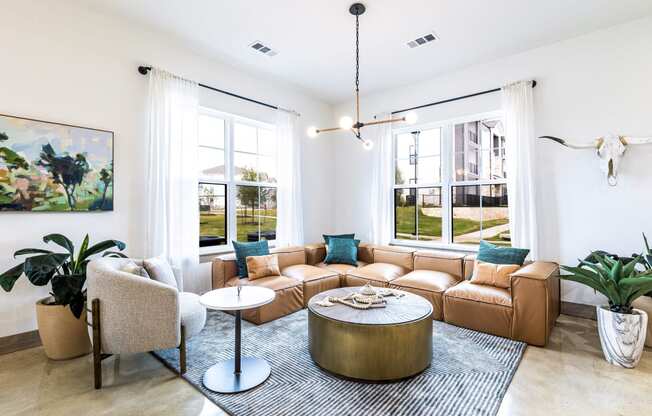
x: 376, y: 353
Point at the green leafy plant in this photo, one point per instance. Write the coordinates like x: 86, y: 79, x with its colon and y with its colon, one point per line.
x: 647, y: 255
x: 66, y: 271
x: 620, y: 282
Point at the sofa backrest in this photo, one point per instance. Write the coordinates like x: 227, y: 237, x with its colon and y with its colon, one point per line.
x: 289, y: 256
x: 442, y: 261
x: 225, y: 267
x: 469, y: 262
x: 398, y: 256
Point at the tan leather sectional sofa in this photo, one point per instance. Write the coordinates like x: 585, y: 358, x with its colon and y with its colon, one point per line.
x: 526, y: 311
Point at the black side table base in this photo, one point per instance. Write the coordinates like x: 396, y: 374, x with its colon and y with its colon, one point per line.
x: 220, y: 378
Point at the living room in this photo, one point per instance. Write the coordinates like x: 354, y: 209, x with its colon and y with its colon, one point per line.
x: 181, y: 184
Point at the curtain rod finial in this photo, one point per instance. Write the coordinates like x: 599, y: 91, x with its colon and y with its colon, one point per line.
x: 144, y: 69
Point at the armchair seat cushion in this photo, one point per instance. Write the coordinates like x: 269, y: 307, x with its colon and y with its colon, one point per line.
x: 378, y: 274
x: 427, y: 283
x: 192, y: 313
x: 315, y: 279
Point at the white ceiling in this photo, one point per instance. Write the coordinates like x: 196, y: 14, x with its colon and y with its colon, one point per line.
x: 315, y: 38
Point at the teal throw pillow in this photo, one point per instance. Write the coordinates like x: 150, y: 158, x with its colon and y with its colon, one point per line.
x: 491, y: 253
x: 328, y: 237
x: 244, y: 250
x: 342, y: 251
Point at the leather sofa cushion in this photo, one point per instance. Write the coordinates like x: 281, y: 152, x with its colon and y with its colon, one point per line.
x: 498, y: 275
x: 275, y: 283
x: 442, y: 261
x: 429, y: 280
x: 306, y: 273
x: 480, y: 293
x: 289, y: 256
x: 397, y: 256
x: 380, y: 272
x: 340, y: 268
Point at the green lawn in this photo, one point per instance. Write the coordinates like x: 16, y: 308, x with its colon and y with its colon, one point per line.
x: 213, y: 224
x: 430, y: 227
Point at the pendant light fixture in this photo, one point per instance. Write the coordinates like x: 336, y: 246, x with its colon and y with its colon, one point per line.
x: 347, y: 123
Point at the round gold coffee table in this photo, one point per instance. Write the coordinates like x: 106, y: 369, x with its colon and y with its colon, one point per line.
x: 378, y: 344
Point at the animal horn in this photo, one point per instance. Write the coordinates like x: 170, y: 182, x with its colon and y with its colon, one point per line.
x: 566, y: 143
x: 635, y: 140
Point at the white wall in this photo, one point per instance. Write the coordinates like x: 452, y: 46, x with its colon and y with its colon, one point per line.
x: 64, y: 64
x: 588, y: 86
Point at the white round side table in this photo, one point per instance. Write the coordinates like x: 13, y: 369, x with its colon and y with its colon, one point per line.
x: 239, y: 373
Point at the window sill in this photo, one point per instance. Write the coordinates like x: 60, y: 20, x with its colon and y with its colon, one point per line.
x: 215, y: 250
x: 469, y: 248
x: 225, y: 249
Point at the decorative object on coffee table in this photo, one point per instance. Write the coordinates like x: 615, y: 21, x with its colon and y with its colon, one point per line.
x: 367, y: 297
x: 352, y: 342
x: 622, y: 328
x: 62, y: 327
x: 240, y: 373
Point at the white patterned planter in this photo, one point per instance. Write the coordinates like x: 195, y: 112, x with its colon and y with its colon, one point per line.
x: 622, y: 336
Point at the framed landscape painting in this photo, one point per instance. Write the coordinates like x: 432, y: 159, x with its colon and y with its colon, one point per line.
x: 54, y: 167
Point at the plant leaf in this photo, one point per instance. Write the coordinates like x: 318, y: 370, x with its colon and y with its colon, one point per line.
x: 31, y: 251
x: 80, y: 256
x: 100, y: 247
x: 114, y: 254
x: 8, y: 278
x: 40, y: 269
x: 62, y: 241
x: 579, y: 277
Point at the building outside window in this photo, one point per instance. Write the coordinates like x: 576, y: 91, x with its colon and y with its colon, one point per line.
x: 450, y: 182
x: 237, y: 179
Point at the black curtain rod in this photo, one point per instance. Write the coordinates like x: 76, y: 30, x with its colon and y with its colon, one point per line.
x: 463, y: 97
x: 145, y: 69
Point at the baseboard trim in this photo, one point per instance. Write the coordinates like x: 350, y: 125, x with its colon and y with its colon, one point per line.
x: 17, y: 342
x: 579, y: 310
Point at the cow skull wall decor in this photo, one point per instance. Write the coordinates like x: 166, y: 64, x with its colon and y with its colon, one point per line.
x: 610, y: 150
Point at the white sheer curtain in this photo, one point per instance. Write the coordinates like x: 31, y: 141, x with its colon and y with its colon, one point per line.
x: 289, y: 203
x: 518, y: 113
x: 172, y: 216
x: 382, y: 174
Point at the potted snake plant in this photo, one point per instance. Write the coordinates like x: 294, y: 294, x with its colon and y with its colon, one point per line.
x: 60, y: 316
x: 622, y: 328
x: 644, y: 303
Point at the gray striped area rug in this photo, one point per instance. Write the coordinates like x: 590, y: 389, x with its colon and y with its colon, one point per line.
x: 469, y: 375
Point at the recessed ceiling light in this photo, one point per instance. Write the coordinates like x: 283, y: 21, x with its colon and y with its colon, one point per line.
x: 259, y: 46
x: 422, y: 40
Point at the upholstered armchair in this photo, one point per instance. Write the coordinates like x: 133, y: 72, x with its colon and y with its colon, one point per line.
x: 131, y: 313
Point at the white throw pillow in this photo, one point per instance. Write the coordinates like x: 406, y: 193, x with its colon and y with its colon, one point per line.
x: 132, y: 268
x: 160, y: 270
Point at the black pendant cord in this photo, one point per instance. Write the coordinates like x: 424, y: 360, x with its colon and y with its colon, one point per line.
x: 449, y: 100
x: 357, y: 78
x: 145, y: 69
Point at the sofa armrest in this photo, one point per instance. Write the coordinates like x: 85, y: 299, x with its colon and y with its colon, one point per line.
x: 535, y: 301
x: 315, y: 253
x: 136, y: 314
x: 223, y: 269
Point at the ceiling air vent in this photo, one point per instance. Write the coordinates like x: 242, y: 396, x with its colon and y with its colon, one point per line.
x: 423, y: 40
x: 262, y: 48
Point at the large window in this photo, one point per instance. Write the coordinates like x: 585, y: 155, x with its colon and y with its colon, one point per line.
x: 237, y: 179
x: 450, y: 182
